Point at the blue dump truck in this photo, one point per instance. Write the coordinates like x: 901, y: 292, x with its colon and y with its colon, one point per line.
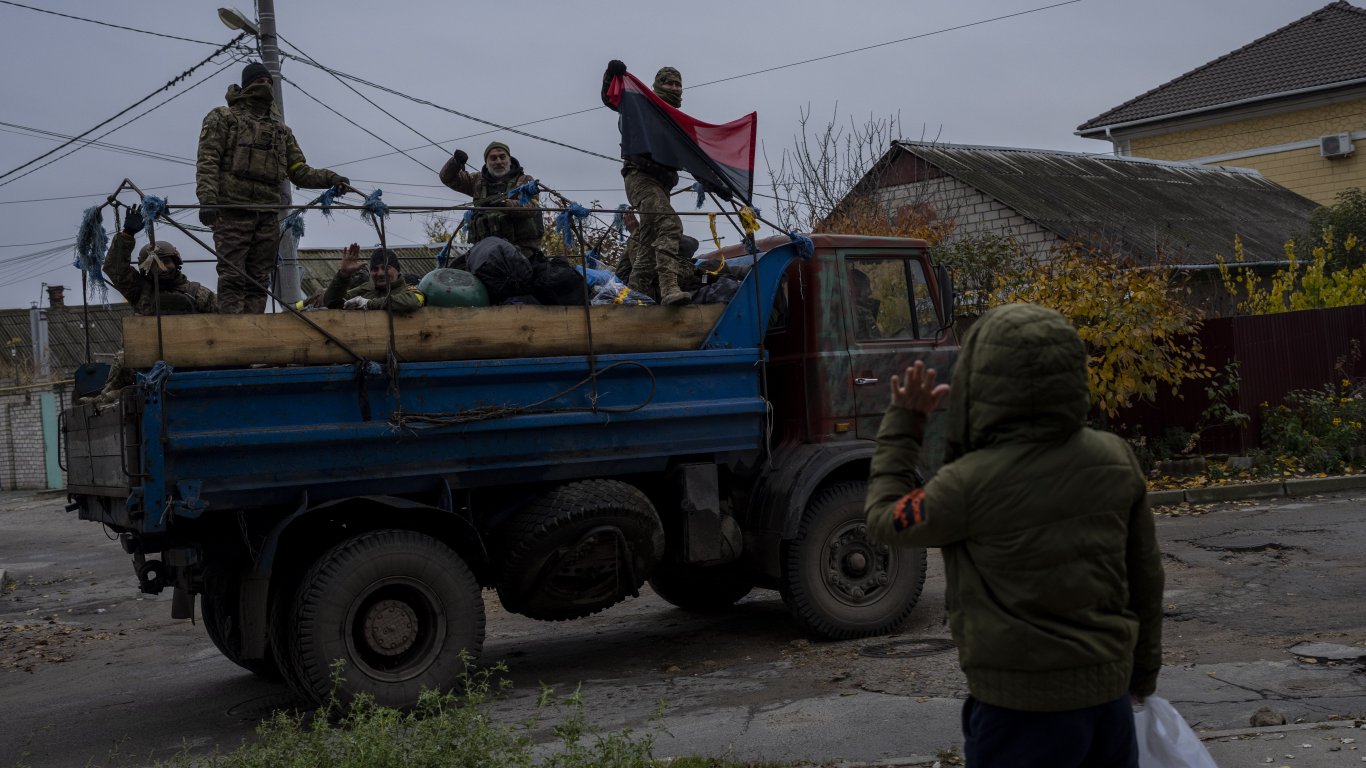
x: 345, y: 485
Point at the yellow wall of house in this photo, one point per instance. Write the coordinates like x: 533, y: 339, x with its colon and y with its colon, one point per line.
x: 1301, y: 170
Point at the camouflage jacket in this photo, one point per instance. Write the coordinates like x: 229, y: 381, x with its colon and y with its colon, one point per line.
x: 244, y: 154
x: 179, y: 294
x: 514, y: 225
x: 404, y: 299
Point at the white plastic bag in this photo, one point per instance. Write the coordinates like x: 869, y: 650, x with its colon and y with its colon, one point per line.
x: 1164, y: 739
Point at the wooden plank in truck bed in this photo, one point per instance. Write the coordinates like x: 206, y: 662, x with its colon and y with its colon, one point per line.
x: 432, y: 333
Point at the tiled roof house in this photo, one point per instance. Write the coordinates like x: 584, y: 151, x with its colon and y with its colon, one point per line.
x: 1291, y: 104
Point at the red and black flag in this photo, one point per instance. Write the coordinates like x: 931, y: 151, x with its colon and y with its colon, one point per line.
x: 720, y: 155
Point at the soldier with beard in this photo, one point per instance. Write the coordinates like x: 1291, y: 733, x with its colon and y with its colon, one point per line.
x: 489, y: 188
x: 656, y: 269
x: 244, y: 154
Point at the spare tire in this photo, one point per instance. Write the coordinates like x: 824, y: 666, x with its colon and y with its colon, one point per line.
x: 577, y: 549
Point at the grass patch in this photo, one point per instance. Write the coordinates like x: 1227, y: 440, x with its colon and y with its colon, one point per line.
x: 449, y: 730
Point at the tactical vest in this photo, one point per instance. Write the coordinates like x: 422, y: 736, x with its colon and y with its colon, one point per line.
x: 514, y: 229
x: 173, y: 302
x: 258, y: 147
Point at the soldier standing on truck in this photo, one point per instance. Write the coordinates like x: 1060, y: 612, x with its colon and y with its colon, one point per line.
x: 655, y: 269
x: 489, y: 188
x: 386, y: 290
x: 244, y: 154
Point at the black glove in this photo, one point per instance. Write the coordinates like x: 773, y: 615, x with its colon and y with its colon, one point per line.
x: 460, y: 158
x: 134, y: 221
x: 338, y: 182
x: 616, y: 68
x: 208, y: 216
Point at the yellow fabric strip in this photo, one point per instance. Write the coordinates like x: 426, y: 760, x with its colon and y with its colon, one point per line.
x: 711, y: 219
x: 748, y: 221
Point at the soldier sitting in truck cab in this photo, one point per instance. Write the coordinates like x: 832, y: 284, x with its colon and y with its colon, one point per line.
x: 865, y: 306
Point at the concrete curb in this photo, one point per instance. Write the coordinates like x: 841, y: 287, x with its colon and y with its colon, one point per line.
x: 1307, y: 486
x: 1325, y: 725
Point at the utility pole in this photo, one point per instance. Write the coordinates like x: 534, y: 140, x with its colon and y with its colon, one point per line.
x: 287, y: 278
x: 287, y: 274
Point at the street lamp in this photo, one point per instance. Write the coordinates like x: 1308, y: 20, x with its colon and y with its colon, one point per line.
x: 288, y: 276
x: 234, y: 19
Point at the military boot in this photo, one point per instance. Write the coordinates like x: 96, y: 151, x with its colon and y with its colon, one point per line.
x: 670, y: 295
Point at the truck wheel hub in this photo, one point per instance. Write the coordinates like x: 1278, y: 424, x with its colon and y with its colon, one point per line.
x: 391, y: 627
x: 857, y: 568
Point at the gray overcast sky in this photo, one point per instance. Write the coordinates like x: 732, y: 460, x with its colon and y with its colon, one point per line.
x: 1027, y: 81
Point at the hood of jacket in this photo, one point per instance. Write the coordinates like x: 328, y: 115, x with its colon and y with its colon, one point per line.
x: 250, y: 99
x: 1020, y: 378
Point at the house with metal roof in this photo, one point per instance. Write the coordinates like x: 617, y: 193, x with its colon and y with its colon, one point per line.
x: 1152, y: 212
x: 1291, y: 104
x: 62, y: 342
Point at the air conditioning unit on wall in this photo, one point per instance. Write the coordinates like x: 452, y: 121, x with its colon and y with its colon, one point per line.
x: 1336, y: 145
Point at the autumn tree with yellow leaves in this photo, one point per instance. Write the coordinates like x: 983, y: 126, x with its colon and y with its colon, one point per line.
x: 1298, y: 285
x: 1139, y: 334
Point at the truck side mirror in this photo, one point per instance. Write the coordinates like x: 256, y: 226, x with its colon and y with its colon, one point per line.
x: 946, y: 297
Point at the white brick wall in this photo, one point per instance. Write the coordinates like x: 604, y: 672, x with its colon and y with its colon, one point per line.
x: 22, y: 462
x: 974, y: 212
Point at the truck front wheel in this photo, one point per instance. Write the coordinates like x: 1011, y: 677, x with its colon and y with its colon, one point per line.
x: 839, y: 584
x: 400, y: 609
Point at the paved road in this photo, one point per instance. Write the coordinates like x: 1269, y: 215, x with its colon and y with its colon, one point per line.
x: 92, y: 671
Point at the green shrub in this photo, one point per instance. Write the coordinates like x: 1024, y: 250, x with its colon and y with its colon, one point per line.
x: 1319, y: 427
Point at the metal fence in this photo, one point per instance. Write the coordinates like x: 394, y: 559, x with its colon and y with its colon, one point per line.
x: 1277, y: 354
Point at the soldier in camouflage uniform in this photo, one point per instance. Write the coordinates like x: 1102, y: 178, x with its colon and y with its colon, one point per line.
x: 157, y: 286
x: 500, y: 174
x: 386, y: 289
x: 865, y: 306
x: 655, y: 267
x: 244, y: 154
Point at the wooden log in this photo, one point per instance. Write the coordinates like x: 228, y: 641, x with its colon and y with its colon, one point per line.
x: 432, y: 333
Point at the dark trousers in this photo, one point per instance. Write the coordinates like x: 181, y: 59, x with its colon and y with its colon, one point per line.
x: 1101, y: 736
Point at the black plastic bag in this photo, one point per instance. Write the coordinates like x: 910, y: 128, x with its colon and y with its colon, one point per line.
x: 555, y: 282
x: 501, y: 267
x: 719, y: 292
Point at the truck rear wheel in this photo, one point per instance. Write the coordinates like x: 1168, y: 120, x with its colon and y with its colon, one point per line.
x: 402, y: 611
x: 701, y: 588
x: 839, y: 584
x: 579, y: 548
x: 218, y: 608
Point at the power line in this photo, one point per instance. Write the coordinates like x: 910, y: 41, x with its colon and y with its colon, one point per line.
x: 356, y: 124
x: 119, y: 126
x: 88, y: 194
x: 367, y: 99
x: 106, y: 24
x: 889, y: 42
x: 171, y: 83
x: 433, y: 105
x: 24, y: 130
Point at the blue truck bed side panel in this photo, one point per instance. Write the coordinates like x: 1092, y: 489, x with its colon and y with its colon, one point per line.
x: 261, y: 437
